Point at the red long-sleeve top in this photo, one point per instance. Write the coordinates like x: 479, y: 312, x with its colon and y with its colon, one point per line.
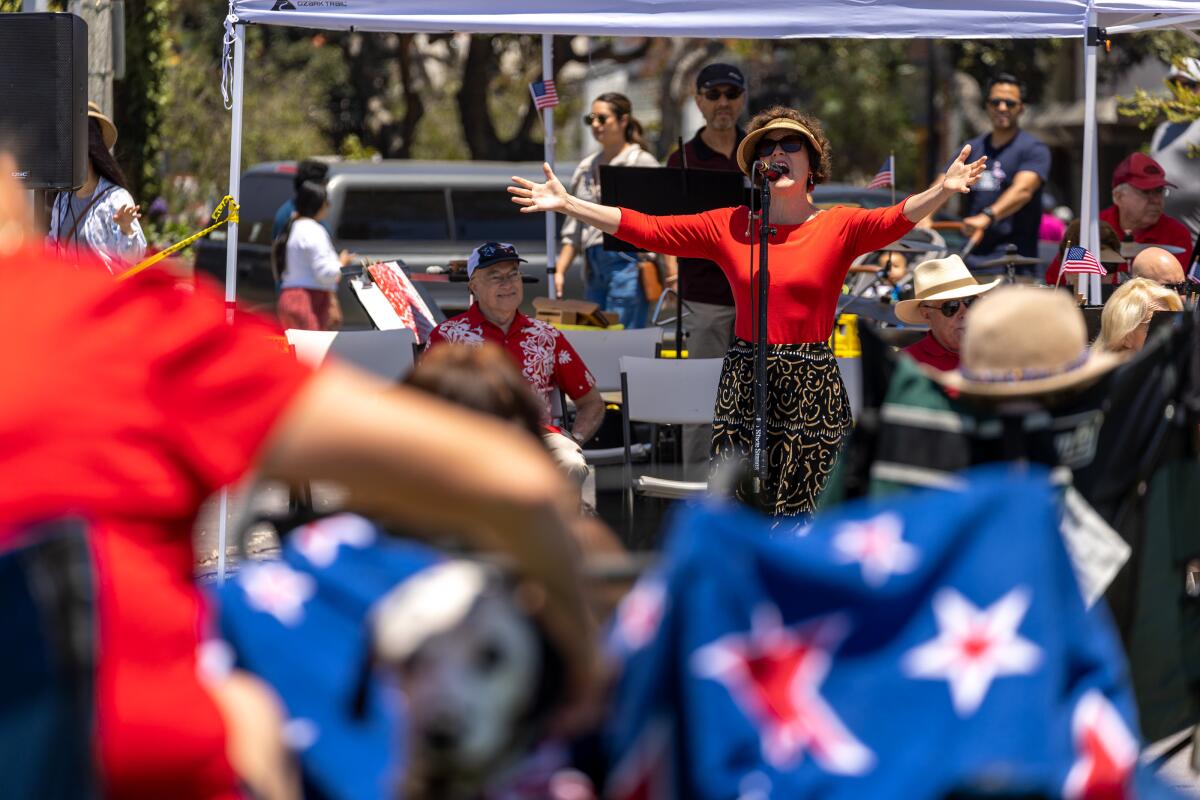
x: 808, y: 262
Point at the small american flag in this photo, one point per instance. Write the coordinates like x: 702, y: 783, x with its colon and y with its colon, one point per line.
x: 885, y: 177
x: 1078, y: 260
x: 1193, y: 274
x: 544, y: 94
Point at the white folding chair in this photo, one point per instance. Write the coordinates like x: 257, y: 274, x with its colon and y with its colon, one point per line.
x: 388, y: 354
x: 665, y: 391
x: 601, y: 352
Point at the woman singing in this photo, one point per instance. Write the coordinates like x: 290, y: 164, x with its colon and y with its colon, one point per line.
x: 808, y: 411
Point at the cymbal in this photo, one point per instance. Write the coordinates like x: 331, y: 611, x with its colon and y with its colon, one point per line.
x: 868, y: 307
x: 1131, y: 249
x: 1110, y: 256
x: 907, y: 246
x: 1009, y: 259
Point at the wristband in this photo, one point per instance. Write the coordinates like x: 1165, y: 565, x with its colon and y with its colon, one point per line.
x: 989, y: 213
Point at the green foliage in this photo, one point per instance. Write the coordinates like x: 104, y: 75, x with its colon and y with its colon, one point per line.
x: 1031, y: 61
x: 140, y: 98
x: 352, y: 149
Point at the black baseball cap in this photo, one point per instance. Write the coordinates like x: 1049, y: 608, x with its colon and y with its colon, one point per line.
x: 720, y: 75
x: 490, y: 253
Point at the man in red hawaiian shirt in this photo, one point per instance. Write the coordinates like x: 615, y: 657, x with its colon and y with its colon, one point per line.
x: 542, y: 353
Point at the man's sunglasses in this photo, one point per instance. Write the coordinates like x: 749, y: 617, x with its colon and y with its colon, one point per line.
x: 732, y: 93
x: 789, y: 144
x: 950, y: 307
x: 603, y: 119
x: 997, y: 102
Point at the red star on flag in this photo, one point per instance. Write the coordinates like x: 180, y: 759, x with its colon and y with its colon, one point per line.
x: 774, y: 674
x: 319, y: 541
x: 974, y: 646
x: 640, y: 613
x: 277, y: 589
x: 1107, y: 751
x: 878, y: 545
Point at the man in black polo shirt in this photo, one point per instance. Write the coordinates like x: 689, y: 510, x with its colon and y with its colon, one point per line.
x: 721, y: 97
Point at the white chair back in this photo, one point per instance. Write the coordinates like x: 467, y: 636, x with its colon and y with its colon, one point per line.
x: 670, y: 391
x: 388, y: 354
x: 601, y: 351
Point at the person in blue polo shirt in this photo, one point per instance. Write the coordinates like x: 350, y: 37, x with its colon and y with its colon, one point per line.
x: 1006, y: 204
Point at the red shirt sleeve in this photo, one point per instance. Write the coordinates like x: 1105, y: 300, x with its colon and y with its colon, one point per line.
x: 570, y: 372
x: 1178, y: 235
x: 872, y: 229
x: 687, y: 235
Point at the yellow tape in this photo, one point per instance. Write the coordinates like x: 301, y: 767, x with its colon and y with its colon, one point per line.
x: 227, y: 202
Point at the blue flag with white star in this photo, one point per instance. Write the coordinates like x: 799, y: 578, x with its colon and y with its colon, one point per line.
x: 918, y: 647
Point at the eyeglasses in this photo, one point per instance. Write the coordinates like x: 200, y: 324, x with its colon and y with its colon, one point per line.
x: 732, y: 93
x: 1161, y: 191
x: 789, y: 144
x: 951, y: 307
x: 500, y: 278
x: 998, y: 102
x: 603, y: 119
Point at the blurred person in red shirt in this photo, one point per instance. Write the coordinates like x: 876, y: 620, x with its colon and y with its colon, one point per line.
x: 128, y: 403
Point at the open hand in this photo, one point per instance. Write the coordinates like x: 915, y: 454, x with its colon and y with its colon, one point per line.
x: 534, y: 197
x: 961, y: 176
x: 125, y: 217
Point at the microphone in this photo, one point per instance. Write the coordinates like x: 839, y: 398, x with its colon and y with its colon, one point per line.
x: 772, y: 171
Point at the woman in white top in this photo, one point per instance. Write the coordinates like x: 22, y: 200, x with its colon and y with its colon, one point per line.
x: 100, y: 218
x: 308, y: 266
x: 613, y: 279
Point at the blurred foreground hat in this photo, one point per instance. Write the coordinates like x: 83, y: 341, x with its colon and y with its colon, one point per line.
x: 1187, y: 70
x: 1141, y: 172
x: 490, y: 253
x: 720, y: 75
x: 1022, y: 341
x: 107, y: 129
x: 940, y: 279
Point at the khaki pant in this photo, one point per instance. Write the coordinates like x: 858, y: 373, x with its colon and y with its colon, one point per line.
x: 710, y: 330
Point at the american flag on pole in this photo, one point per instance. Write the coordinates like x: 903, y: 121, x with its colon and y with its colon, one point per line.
x: 885, y: 177
x: 544, y: 94
x: 1078, y: 260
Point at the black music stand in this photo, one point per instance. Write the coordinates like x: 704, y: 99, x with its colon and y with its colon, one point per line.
x: 669, y: 190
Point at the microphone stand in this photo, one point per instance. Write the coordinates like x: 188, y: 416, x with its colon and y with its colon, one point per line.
x: 757, y: 494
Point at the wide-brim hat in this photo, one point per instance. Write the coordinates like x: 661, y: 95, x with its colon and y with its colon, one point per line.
x: 1022, y: 341
x: 940, y: 279
x: 107, y: 129
x: 745, y: 151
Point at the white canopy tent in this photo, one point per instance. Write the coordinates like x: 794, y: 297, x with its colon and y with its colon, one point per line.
x: 723, y: 19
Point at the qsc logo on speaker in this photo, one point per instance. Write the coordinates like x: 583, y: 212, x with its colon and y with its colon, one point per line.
x: 21, y: 174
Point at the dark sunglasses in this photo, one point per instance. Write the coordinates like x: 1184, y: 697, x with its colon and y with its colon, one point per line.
x: 603, y: 119
x: 789, y: 144
x: 950, y: 307
x: 732, y: 93
x: 997, y: 102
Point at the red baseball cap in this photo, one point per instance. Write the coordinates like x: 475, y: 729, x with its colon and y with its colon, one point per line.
x: 1141, y: 172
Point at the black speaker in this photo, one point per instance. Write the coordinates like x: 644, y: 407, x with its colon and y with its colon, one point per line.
x: 43, y: 98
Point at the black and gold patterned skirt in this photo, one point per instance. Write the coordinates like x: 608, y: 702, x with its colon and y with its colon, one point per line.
x: 808, y: 415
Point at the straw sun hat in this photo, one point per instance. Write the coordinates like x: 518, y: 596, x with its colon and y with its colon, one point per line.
x: 745, y: 151
x: 1022, y: 341
x: 107, y: 129
x: 939, y: 279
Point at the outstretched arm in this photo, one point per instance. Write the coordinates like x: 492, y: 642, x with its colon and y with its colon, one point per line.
x: 959, y: 178
x: 553, y: 196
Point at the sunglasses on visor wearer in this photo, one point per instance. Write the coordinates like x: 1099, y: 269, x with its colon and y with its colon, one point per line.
x: 789, y: 144
x: 950, y: 307
x: 588, y: 119
x: 713, y: 95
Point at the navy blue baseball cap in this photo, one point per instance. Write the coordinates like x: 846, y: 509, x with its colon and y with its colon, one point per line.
x: 490, y: 253
x: 720, y: 75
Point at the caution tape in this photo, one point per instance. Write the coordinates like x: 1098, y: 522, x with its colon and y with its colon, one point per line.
x: 227, y: 202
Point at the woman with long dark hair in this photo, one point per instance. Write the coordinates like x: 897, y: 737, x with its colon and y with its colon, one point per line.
x: 613, y: 278
x: 308, y: 266
x: 101, y: 216
x: 811, y: 250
